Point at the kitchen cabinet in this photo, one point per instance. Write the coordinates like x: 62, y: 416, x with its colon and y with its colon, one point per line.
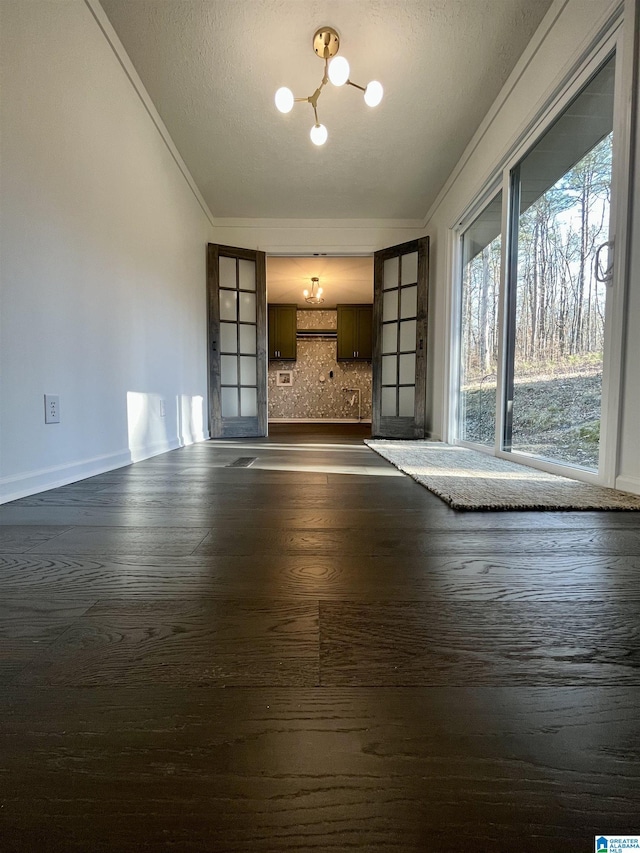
x: 355, y: 332
x: 282, y: 332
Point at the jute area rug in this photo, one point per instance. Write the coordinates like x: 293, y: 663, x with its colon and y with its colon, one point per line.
x: 468, y: 480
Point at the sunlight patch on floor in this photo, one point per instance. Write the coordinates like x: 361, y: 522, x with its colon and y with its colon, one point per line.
x: 364, y: 470
x: 234, y: 444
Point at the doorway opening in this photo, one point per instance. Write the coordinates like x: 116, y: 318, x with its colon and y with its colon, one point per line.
x: 376, y: 341
x: 320, y: 349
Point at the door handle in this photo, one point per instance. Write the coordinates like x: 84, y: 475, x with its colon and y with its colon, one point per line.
x: 604, y: 276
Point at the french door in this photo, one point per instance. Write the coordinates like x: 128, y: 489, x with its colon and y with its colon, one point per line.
x: 237, y: 305
x: 400, y: 313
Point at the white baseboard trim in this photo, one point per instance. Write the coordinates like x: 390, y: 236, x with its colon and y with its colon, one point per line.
x: 138, y: 454
x: 32, y: 483
x: 628, y: 484
x: 319, y: 421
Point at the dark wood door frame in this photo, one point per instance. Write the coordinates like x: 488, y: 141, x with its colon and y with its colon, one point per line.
x: 238, y: 427
x: 401, y: 427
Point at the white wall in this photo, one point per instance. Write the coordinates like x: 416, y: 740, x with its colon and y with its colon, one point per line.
x: 102, y: 264
x: 306, y: 236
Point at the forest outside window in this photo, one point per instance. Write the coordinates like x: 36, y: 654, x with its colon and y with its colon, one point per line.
x: 479, y: 331
x: 561, y: 199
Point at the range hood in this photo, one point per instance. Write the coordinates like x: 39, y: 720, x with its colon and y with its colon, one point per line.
x: 324, y: 334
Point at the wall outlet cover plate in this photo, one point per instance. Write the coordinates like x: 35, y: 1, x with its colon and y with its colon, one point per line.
x: 51, y: 409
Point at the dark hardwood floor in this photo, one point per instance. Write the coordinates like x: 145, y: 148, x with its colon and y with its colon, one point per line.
x: 312, y: 653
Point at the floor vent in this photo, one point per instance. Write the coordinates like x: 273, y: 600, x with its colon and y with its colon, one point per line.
x: 242, y: 462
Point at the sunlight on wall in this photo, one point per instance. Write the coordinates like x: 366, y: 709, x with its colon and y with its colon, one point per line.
x: 146, y: 424
x: 154, y: 428
x: 190, y: 411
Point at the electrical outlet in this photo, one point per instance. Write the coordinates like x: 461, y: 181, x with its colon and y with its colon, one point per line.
x: 51, y: 409
x: 162, y: 409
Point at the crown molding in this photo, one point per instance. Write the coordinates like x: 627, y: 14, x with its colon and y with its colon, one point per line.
x: 117, y: 47
x: 612, y: 11
x: 303, y: 224
x: 521, y: 66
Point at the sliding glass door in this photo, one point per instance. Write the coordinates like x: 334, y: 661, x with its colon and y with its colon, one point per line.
x: 533, y: 314
x: 479, y: 331
x: 561, y: 198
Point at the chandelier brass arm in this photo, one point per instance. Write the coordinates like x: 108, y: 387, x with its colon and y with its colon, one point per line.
x: 326, y: 44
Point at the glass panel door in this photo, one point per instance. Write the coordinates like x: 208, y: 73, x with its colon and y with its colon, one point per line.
x: 237, y: 339
x: 561, y: 195
x: 400, y: 324
x: 477, y: 388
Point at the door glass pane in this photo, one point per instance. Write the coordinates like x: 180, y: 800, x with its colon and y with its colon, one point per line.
x: 389, y: 369
x: 407, y: 369
x: 390, y: 337
x: 388, y: 403
x: 553, y: 398
x: 228, y: 337
x: 228, y: 304
x: 247, y: 370
x: 248, y: 339
x: 229, y: 370
x: 247, y: 307
x: 248, y: 402
x: 246, y: 275
x: 390, y: 273
x: 408, y: 302
x: 408, y: 335
x: 229, y: 402
x: 407, y: 398
x: 481, y: 259
x: 227, y: 272
x: 390, y: 305
x: 409, y: 273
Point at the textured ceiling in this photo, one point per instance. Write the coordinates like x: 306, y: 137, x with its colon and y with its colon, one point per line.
x: 212, y: 67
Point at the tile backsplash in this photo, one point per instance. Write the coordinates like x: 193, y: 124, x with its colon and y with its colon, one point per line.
x: 313, y: 393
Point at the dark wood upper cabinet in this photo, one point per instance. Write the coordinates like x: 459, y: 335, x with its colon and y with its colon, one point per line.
x: 282, y: 332
x: 355, y: 332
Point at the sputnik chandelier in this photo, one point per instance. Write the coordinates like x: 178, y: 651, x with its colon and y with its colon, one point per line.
x: 315, y: 297
x: 326, y: 44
